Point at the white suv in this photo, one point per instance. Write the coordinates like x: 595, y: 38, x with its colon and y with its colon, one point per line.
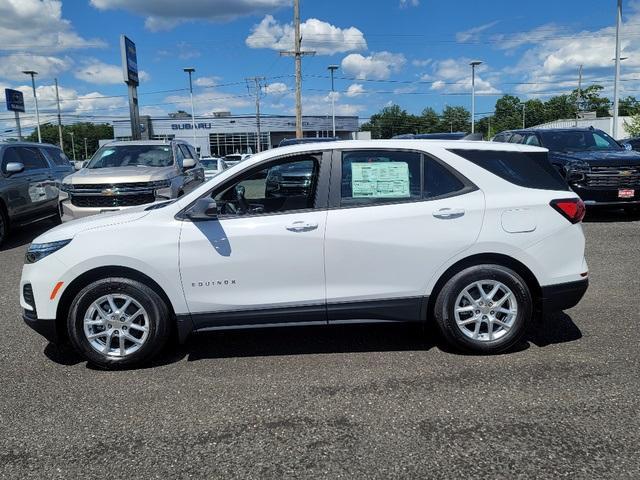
x: 475, y: 236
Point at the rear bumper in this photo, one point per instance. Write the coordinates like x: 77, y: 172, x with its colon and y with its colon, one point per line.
x: 46, y: 328
x: 563, y: 295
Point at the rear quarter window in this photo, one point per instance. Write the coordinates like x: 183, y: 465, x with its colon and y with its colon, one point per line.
x: 525, y: 169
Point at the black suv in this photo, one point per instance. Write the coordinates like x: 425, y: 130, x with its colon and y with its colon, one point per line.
x: 599, y: 169
x: 30, y: 174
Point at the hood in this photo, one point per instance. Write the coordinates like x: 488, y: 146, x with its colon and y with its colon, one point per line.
x: 601, y: 158
x: 71, y: 229
x: 115, y: 175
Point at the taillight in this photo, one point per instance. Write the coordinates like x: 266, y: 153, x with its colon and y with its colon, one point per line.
x: 572, y: 209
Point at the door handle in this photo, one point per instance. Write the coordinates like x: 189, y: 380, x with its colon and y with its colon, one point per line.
x: 302, y: 226
x: 448, y: 213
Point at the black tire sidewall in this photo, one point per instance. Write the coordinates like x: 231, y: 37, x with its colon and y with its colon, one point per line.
x: 445, y: 305
x: 152, y: 303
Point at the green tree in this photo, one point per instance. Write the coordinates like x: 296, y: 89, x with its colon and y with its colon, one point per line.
x: 390, y: 121
x: 591, y: 101
x: 633, y: 128
x: 428, y: 121
x: 629, y: 106
x: 455, y: 119
x: 91, y: 131
x: 508, y: 113
x: 561, y: 106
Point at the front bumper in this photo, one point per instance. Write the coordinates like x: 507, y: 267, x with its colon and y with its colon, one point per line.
x: 563, y: 296
x: 47, y: 328
x: 593, y: 196
x: 69, y: 212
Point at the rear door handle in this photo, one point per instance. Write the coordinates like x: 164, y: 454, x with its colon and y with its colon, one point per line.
x: 448, y: 213
x: 302, y: 226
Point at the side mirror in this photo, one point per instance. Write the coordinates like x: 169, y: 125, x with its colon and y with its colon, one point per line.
x: 14, y: 167
x: 627, y: 146
x: 205, y: 208
x: 188, y: 163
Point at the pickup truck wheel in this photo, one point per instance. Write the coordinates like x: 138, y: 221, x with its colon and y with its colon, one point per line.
x: 118, y: 322
x: 484, y: 309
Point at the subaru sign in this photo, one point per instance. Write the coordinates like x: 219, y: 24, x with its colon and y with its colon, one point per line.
x: 15, y: 100
x: 129, y: 60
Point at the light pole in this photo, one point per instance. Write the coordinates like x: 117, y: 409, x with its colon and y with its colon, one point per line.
x: 190, y: 70
x: 617, y: 76
x: 86, y: 153
x: 524, y: 107
x: 333, y: 68
x: 73, y: 146
x: 473, y: 64
x: 35, y: 97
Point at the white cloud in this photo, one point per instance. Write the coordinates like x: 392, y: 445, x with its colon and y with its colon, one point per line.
x: 355, y: 89
x: 473, y: 34
x: 166, y: 14
x: 38, y: 25
x: 276, y: 89
x: 12, y: 65
x: 421, y: 63
x: 409, y: 3
x: 209, y: 101
x: 454, y: 76
x: 95, y: 71
x: 319, y: 36
x: 206, y: 81
x: 377, y: 66
x: 321, y: 105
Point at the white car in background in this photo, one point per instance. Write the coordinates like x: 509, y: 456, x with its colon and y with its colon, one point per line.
x: 474, y: 236
x: 235, y: 158
x: 212, y: 166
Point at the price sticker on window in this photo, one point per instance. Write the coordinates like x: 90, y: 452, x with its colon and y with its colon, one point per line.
x: 380, y: 180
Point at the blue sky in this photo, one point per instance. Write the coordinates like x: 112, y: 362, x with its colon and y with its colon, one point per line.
x: 414, y: 53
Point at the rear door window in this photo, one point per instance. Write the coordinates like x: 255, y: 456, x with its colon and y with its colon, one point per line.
x: 58, y: 157
x: 31, y: 158
x: 526, y: 169
x: 439, y: 181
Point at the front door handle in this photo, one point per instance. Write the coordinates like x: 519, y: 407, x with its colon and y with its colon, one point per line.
x: 302, y: 226
x: 448, y: 213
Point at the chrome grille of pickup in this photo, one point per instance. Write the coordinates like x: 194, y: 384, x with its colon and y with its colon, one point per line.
x: 613, y: 177
x: 113, y: 195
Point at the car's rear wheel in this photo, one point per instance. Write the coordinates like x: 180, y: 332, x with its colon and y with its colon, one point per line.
x: 118, y: 322
x: 484, y: 309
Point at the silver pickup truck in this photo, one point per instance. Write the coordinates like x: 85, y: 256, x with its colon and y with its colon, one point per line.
x: 128, y: 174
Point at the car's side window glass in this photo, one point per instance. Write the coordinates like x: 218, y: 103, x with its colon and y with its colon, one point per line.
x: 283, y: 186
x: 439, y: 181
x: 31, y: 158
x: 601, y: 142
x: 532, y: 140
x: 516, y: 138
x: 185, y: 152
x: 379, y: 176
x: 179, y: 155
x: 10, y: 156
x: 58, y: 157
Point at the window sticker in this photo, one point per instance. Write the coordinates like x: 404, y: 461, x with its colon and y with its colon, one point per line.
x: 380, y: 180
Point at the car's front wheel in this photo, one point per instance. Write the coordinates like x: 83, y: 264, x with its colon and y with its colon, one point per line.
x: 118, y: 322
x: 484, y: 309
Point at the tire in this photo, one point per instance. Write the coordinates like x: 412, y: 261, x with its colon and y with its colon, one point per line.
x: 4, y: 225
x: 468, y: 337
x: 155, y: 317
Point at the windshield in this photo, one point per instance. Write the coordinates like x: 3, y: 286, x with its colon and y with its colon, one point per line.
x: 132, y: 156
x: 576, y: 141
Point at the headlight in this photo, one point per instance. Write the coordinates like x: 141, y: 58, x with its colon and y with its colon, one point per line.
x: 66, y: 187
x: 37, y: 251
x: 160, y: 184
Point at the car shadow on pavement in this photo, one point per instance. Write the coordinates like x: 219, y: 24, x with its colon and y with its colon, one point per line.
x: 264, y: 342
x: 24, y: 235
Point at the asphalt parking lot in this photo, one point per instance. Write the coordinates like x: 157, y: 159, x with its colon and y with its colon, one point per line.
x: 365, y: 402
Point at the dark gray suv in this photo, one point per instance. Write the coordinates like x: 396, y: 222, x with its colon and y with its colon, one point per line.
x: 30, y: 174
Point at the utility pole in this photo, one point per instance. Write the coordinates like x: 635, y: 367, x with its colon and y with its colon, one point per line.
x: 297, y: 53
x: 333, y: 68
x: 473, y: 64
x: 35, y: 97
x: 86, y: 153
x: 258, y: 92
x: 190, y: 70
x: 579, y: 96
x: 59, y: 116
x: 617, y: 76
x: 73, y: 146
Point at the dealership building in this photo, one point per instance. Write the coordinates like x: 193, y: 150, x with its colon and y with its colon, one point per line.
x: 223, y: 133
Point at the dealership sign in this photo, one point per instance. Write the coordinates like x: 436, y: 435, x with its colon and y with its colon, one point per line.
x: 15, y: 100
x: 129, y: 60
